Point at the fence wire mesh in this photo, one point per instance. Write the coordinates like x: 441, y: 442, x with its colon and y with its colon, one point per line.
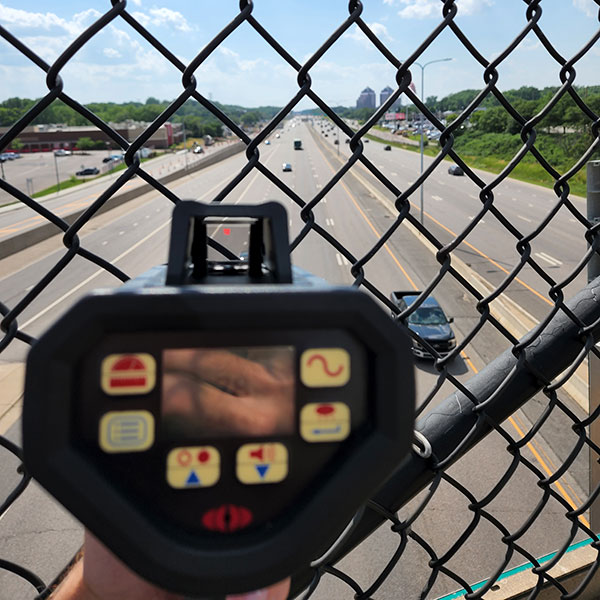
x: 497, y: 483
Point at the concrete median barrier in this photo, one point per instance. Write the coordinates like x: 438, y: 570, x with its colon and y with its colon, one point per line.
x: 21, y: 240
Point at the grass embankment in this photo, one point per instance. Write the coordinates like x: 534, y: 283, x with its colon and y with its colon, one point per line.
x: 74, y: 181
x: 492, y: 152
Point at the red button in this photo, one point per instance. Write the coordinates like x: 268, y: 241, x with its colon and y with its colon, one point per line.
x: 227, y: 518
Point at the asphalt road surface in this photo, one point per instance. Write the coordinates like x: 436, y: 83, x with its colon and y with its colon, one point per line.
x: 39, y: 535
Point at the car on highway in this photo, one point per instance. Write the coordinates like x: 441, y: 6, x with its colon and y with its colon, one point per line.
x: 267, y: 143
x: 88, y: 171
x: 62, y: 152
x: 455, y: 170
x: 336, y: 141
x: 429, y: 322
x: 388, y: 148
x: 286, y: 167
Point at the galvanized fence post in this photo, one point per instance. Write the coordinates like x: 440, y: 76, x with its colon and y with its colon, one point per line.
x: 593, y: 214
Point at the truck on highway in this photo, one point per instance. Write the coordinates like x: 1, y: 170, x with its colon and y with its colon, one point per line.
x: 429, y: 322
x: 297, y: 144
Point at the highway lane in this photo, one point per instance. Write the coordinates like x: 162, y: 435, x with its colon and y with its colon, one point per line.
x: 15, y: 217
x: 451, y: 203
x: 340, y: 215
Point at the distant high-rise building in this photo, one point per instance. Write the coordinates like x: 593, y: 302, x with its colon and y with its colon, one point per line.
x: 367, y: 99
x: 386, y: 92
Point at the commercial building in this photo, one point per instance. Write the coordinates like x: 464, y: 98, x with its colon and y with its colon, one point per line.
x: 45, y: 138
x: 367, y: 99
x: 385, y: 93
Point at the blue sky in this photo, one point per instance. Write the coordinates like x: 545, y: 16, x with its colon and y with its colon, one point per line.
x: 118, y: 65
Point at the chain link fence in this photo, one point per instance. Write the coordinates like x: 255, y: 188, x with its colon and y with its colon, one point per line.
x: 492, y: 487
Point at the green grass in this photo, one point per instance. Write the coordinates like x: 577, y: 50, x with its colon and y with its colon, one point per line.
x: 528, y: 170
x: 68, y: 183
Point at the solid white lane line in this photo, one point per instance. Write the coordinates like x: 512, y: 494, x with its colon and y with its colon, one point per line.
x: 338, y: 258
x: 93, y: 276
x: 549, y: 259
x: 524, y: 218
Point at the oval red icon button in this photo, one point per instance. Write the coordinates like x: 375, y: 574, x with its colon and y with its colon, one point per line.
x: 227, y: 518
x: 325, y: 409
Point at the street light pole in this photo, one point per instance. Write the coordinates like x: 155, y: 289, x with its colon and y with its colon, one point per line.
x: 422, y: 67
x: 184, y: 144
x: 56, y: 169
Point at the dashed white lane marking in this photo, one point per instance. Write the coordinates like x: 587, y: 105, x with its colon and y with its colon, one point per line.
x: 329, y: 222
x: 524, y: 218
x: 338, y: 258
x: 104, y: 243
x: 121, y: 232
x: 319, y: 186
x: 549, y: 259
x: 324, y: 201
x: 135, y: 224
x: 394, y: 174
x: 438, y: 198
x: 474, y: 196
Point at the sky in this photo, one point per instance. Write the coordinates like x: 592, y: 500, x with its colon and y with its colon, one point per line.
x: 118, y: 65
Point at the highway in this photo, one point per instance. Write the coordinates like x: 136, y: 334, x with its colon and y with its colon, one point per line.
x: 39, y: 535
x: 451, y: 204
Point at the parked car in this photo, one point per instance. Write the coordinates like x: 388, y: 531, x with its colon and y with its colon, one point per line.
x: 88, y: 171
x: 388, y: 148
x: 62, y: 152
x: 429, y: 322
x: 286, y: 167
x: 455, y: 170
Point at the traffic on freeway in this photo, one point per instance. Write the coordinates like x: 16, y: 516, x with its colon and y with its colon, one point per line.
x: 134, y: 238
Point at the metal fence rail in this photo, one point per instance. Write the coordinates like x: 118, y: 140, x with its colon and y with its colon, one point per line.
x: 455, y: 415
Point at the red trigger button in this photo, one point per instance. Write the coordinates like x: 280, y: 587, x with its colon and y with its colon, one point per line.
x: 227, y: 518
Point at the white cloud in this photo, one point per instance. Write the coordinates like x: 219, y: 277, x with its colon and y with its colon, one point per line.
x: 163, y: 16
x: 589, y: 7
x: 111, y: 53
x: 421, y: 9
x: 379, y: 29
x: 16, y: 18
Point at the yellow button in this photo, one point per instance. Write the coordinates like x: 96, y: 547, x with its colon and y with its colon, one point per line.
x: 325, y: 422
x: 325, y: 367
x: 262, y: 463
x: 126, y: 431
x: 193, y: 467
x: 126, y: 374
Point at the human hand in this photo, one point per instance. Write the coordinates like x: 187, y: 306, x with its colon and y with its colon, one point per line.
x: 100, y: 575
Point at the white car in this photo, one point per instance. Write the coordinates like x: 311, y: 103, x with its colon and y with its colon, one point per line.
x: 62, y: 152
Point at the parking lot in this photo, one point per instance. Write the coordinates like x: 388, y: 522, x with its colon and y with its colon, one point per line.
x: 35, y: 172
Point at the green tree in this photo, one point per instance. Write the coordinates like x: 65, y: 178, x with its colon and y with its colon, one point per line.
x: 86, y: 143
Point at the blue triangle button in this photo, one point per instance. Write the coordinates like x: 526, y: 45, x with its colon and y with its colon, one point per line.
x: 262, y: 470
x: 192, y: 479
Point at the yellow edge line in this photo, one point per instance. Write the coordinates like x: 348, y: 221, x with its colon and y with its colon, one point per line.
x: 535, y: 453
x: 408, y: 277
x: 482, y: 254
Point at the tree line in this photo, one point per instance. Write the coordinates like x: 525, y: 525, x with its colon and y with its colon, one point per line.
x: 198, y: 120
